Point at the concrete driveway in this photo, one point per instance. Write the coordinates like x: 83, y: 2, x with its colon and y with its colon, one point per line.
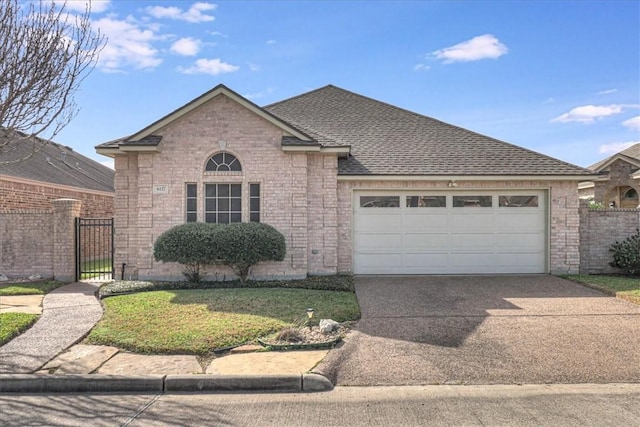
x: 486, y: 330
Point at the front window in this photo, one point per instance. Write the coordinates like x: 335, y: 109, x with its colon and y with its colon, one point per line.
x: 223, y: 162
x: 254, y: 202
x: 223, y: 203
x: 192, y: 202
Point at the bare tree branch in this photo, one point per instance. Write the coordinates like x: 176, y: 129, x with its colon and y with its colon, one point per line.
x: 45, y: 53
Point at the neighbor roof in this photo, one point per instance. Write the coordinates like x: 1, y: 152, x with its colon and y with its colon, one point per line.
x: 387, y: 140
x: 53, y: 163
x: 632, y: 153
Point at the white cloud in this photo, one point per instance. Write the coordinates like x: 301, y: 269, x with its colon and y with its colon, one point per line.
x: 186, y: 47
x: 608, y: 91
x: 258, y: 95
x: 616, y: 147
x: 589, y: 113
x: 128, y: 44
x: 97, y: 6
x: 209, y: 66
x: 486, y: 46
x: 108, y: 163
x: 421, y: 67
x: 196, y: 13
x: 254, y: 67
x: 633, y: 123
x: 271, y: 41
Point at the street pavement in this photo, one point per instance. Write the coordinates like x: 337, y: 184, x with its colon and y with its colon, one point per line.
x: 495, y: 405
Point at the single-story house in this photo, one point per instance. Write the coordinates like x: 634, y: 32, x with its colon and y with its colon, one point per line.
x: 356, y: 185
x: 618, y: 183
x: 54, y: 171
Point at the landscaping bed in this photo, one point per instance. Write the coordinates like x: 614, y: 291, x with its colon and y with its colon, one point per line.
x: 201, y: 321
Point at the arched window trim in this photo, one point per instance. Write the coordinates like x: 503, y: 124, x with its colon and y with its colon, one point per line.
x: 631, y: 193
x: 223, y: 161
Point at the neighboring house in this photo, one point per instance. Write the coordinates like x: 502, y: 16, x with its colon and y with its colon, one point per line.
x: 52, y: 172
x: 618, y: 183
x: 354, y: 184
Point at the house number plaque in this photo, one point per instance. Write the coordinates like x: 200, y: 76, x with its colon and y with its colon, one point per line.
x: 161, y: 189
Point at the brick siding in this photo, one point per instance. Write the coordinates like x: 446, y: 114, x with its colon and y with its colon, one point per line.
x: 599, y: 229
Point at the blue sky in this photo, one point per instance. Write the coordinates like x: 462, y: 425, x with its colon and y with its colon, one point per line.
x: 558, y: 77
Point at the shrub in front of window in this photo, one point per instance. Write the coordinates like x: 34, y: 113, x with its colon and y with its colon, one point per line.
x: 191, y: 245
x: 626, y: 254
x: 242, y: 245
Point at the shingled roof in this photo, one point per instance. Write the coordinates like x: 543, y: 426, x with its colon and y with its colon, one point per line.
x: 633, y: 153
x: 55, y: 164
x: 387, y: 140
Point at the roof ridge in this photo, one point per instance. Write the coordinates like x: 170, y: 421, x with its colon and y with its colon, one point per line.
x: 273, y: 104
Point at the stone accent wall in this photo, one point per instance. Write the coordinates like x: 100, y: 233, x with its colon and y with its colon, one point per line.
x: 619, y: 175
x: 40, y: 242
x: 18, y: 196
x: 599, y: 229
x: 564, y: 238
x: 298, y: 191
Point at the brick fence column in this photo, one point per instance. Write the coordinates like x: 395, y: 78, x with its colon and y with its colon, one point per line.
x: 65, y: 212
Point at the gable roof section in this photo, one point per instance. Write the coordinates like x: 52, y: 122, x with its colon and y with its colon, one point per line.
x: 147, y: 138
x: 55, y: 164
x: 631, y: 155
x: 387, y: 140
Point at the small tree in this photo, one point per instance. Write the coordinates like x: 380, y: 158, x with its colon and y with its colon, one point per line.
x: 242, y: 245
x: 626, y: 254
x: 191, y: 245
x: 45, y: 53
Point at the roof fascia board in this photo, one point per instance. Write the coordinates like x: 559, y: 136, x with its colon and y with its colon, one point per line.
x: 618, y: 156
x: 462, y: 177
x: 218, y: 90
x: 140, y: 148
x: 109, y: 152
x: 55, y: 186
x: 586, y: 184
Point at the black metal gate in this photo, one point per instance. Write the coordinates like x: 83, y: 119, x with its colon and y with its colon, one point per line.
x: 94, y: 249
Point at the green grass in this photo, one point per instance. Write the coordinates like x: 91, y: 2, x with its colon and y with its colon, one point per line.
x: 13, y: 324
x: 98, y: 268
x: 201, y: 320
x: 621, y: 286
x: 33, y: 288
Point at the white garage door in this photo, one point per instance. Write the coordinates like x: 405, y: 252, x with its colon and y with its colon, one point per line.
x: 450, y: 233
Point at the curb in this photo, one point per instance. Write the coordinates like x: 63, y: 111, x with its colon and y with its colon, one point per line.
x: 94, y: 383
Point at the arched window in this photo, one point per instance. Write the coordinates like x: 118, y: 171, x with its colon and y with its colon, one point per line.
x: 223, y: 162
x: 630, y: 194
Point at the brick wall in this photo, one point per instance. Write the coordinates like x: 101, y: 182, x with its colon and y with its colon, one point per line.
x: 298, y: 191
x: 564, y: 236
x: 39, y: 242
x: 619, y: 176
x: 599, y: 229
x: 18, y: 196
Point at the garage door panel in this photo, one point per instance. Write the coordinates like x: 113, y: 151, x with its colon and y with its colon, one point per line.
x: 425, y: 241
x: 469, y: 221
x: 420, y: 260
x: 381, y: 242
x: 378, y: 222
x: 472, y: 241
x: 520, y: 241
x: 528, y: 221
x: 425, y: 221
x: 369, y: 260
x: 451, y: 240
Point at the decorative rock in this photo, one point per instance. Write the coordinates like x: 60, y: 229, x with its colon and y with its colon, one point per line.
x: 3, y: 278
x: 327, y: 325
x: 35, y: 277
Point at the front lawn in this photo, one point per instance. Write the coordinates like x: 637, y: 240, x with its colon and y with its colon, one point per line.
x: 200, y: 320
x: 29, y: 288
x: 621, y: 286
x: 13, y: 324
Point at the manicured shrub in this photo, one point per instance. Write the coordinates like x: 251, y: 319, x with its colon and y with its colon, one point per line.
x: 626, y: 254
x: 191, y: 245
x: 241, y: 245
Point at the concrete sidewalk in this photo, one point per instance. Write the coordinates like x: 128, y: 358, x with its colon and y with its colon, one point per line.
x: 68, y: 314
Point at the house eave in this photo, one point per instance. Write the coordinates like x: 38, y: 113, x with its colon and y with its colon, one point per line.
x: 342, y: 150
x: 461, y: 177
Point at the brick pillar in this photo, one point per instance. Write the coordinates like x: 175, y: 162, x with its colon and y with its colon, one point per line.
x: 65, y: 212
